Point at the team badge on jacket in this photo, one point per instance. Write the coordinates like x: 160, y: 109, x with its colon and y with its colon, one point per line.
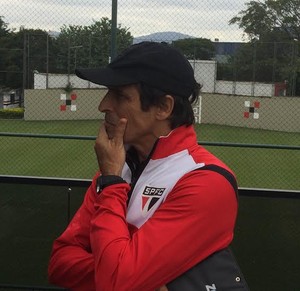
x: 150, y: 196
x: 155, y: 183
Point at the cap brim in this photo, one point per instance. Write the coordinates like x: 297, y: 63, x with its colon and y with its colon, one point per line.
x: 105, y: 76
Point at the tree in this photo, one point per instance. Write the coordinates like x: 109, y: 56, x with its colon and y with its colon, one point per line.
x: 28, y: 54
x: 196, y: 48
x: 272, y: 55
x: 4, y: 31
x: 261, y: 18
x: 88, y: 46
x: 10, y: 72
x: 28, y: 50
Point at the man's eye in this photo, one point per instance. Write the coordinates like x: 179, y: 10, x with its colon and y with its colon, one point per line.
x: 121, y: 97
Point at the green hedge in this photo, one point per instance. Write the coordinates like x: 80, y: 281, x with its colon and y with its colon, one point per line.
x: 12, y: 113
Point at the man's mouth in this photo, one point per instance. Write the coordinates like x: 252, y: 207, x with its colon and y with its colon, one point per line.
x: 109, y: 123
x: 111, y: 119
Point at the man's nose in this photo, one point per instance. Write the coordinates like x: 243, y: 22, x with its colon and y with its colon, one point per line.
x: 104, y: 104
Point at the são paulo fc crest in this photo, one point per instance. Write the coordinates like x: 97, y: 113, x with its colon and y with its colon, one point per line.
x: 150, y: 197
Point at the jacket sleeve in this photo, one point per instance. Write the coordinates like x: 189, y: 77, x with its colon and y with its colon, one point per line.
x: 72, y: 263
x: 197, y: 219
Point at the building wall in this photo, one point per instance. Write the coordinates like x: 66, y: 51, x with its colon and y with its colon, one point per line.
x: 60, y: 81
x: 275, y: 113
x: 205, y: 74
x: 244, y: 88
x: 55, y: 104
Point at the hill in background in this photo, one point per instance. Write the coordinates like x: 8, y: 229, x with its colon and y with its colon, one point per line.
x: 167, y: 36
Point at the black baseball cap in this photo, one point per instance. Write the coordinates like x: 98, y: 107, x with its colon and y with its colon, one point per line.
x: 158, y: 65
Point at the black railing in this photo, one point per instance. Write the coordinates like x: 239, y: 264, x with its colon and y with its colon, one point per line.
x: 204, y: 143
x: 266, y: 233
x: 8, y: 287
x: 68, y: 182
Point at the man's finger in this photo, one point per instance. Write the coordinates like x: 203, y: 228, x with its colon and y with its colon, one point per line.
x: 120, y: 130
x: 102, y: 131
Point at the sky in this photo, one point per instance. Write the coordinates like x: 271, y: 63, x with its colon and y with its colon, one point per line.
x: 197, y: 18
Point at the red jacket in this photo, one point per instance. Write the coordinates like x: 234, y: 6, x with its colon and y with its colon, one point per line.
x: 100, y: 250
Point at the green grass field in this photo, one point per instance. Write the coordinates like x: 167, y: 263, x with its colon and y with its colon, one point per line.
x: 259, y: 168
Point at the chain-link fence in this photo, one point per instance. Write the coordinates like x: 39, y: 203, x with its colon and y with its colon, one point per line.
x: 249, y: 73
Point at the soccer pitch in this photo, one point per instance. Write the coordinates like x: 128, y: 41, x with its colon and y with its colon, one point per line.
x: 75, y: 158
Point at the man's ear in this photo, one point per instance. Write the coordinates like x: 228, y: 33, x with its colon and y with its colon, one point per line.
x: 165, y: 108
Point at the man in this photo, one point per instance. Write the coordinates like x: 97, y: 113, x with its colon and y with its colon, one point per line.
x: 157, y: 207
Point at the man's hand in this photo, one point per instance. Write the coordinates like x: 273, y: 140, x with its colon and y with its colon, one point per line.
x: 109, y: 147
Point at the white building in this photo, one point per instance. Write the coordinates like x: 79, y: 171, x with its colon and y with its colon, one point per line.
x: 205, y: 74
x: 9, y: 99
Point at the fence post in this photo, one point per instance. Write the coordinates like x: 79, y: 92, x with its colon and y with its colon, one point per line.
x: 113, y: 29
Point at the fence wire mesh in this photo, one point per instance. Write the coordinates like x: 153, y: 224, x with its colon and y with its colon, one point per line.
x: 249, y: 73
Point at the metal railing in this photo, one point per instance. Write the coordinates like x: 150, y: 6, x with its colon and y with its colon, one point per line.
x: 8, y: 287
x: 69, y: 183
x: 255, y: 205
x: 205, y: 143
